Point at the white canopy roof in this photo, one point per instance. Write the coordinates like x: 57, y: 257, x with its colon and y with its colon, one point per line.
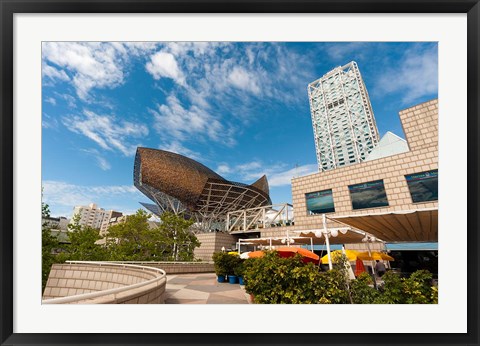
x: 399, y: 226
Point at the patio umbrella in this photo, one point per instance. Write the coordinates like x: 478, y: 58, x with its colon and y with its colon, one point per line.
x: 245, y: 255
x: 378, y: 256
x: 352, y: 255
x: 290, y: 251
x: 255, y: 254
x: 359, y: 267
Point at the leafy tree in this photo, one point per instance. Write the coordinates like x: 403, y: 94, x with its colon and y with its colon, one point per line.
x: 176, y: 240
x: 49, y: 245
x: 133, y: 240
x: 82, y: 245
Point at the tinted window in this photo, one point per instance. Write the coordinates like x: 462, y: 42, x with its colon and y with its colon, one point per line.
x: 320, y: 202
x: 368, y: 195
x: 423, y: 186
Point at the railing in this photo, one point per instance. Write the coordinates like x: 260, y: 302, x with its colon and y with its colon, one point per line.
x: 260, y: 217
x: 112, y: 291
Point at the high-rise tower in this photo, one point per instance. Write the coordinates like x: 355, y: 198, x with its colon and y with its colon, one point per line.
x: 343, y: 123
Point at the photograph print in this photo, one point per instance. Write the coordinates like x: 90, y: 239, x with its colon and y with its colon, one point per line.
x: 239, y: 172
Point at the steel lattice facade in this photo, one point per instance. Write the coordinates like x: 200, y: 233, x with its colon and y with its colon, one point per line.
x: 181, y: 185
x: 343, y: 122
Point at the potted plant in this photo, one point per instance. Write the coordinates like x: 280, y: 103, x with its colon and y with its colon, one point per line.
x: 220, y: 262
x: 239, y: 270
x: 232, y: 263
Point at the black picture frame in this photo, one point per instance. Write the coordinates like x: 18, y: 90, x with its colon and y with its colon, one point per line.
x: 10, y: 7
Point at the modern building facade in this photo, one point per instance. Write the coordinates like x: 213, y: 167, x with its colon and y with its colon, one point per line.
x: 181, y: 185
x: 344, y: 126
x: 392, y: 196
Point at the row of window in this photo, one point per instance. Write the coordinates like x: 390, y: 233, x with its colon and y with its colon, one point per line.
x: 423, y: 187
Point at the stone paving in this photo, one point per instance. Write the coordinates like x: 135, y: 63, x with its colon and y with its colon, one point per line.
x: 203, y: 288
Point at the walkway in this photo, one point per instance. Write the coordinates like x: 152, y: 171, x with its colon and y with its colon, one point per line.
x: 202, y: 288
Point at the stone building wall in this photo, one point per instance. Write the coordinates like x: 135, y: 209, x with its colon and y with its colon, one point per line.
x: 420, y: 124
x: 213, y: 242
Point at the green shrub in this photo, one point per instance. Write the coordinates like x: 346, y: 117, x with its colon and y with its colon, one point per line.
x: 239, y: 269
x: 418, y: 288
x: 434, y: 295
x: 332, y: 286
x: 392, y: 291
x: 220, y: 260
x: 361, y: 291
x: 275, y: 280
x: 225, y: 263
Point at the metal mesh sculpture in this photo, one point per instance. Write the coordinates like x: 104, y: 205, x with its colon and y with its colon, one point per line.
x: 181, y: 185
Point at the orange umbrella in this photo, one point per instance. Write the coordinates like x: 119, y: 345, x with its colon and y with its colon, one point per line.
x: 290, y: 251
x: 287, y: 251
x: 359, y: 267
x: 256, y: 254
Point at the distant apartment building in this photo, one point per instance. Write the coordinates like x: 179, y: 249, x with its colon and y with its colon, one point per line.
x: 344, y: 126
x: 94, y: 217
x: 55, y: 223
x: 111, y: 218
x: 118, y: 218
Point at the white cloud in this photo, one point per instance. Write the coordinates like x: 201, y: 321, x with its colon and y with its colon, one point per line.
x: 197, y: 48
x: 172, y: 120
x: 94, y: 65
x: 164, y: 64
x: 103, y: 164
x: 249, y: 166
x: 101, y: 161
x: 277, y: 174
x: 48, y: 122
x: 51, y: 100
x: 223, y: 169
x: 242, y: 79
x: 136, y: 48
x: 343, y: 51
x: 91, y: 64
x: 416, y: 76
x: 218, y: 84
x: 62, y: 196
x: 53, y: 73
x: 285, y: 177
x: 177, y: 147
x: 218, y: 71
x: 106, y: 131
x: 69, y: 99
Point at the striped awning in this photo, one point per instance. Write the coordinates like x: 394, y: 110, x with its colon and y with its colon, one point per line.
x: 401, y: 226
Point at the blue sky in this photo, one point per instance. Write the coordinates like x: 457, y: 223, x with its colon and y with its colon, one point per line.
x: 241, y: 109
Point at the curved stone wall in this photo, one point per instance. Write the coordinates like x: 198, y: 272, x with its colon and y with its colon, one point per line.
x: 177, y: 267
x: 104, y: 283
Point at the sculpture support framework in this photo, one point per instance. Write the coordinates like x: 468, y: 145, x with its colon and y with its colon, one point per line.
x: 183, y: 186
